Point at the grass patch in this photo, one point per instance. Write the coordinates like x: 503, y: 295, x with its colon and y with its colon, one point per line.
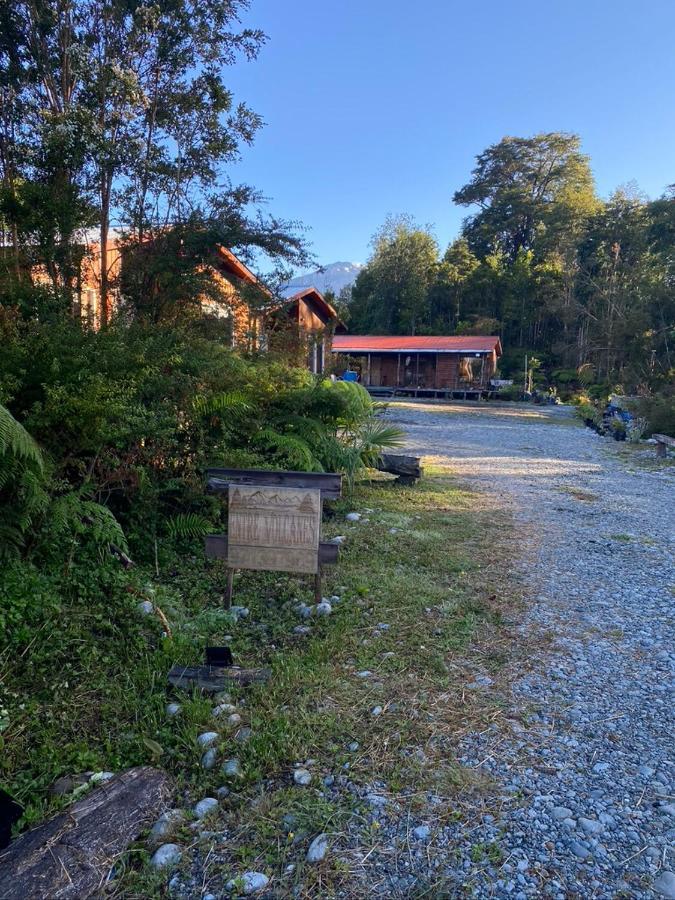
x: 427, y: 563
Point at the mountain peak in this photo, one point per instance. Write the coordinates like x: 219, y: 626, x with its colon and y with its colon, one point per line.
x: 332, y: 277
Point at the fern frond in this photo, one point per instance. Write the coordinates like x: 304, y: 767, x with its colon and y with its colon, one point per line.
x: 233, y: 402
x: 297, y: 451
x: 188, y: 525
x: 16, y: 441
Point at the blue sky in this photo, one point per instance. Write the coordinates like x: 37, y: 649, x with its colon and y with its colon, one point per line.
x: 380, y: 106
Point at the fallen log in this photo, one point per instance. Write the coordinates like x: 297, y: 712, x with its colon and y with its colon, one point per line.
x: 71, y: 855
x: 408, y: 468
x: 212, y: 679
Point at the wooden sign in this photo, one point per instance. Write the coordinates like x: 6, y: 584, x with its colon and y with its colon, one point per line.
x: 273, y: 528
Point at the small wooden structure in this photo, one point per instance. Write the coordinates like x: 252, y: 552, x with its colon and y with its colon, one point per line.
x: 663, y: 441
x: 274, y: 522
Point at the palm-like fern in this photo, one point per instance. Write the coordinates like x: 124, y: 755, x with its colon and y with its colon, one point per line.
x: 16, y: 443
x: 22, y: 483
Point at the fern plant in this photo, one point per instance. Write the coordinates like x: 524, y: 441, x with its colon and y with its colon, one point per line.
x: 188, y: 525
x: 23, y: 496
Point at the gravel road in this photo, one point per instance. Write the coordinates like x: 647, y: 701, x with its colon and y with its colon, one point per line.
x: 587, y: 771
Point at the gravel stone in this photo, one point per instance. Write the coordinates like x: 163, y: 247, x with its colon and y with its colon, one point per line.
x: 209, y: 759
x: 232, y: 768
x: 172, y: 709
x: 208, y: 738
x: 302, y: 777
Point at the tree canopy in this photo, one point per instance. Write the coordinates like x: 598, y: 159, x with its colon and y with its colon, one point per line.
x: 584, y: 283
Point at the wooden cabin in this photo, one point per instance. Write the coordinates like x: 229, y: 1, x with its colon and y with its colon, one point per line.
x: 304, y: 323
x: 460, y: 365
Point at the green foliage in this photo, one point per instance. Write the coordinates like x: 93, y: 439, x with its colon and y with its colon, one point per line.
x: 188, y: 525
x: 658, y: 413
x: 584, y: 285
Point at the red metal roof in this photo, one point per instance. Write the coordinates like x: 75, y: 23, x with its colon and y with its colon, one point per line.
x: 364, y: 343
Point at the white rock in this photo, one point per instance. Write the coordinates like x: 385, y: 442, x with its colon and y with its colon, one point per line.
x: 166, y: 823
x: 145, y: 608
x: 324, y: 608
x: 234, y: 719
x: 248, y: 883
x: 210, y: 758
x: 172, y: 709
x: 340, y: 539
x: 353, y: 517
x: 366, y: 673
x: 422, y: 832
x: 166, y: 855
x: 302, y: 776
x: 376, y: 711
x: 317, y: 849
x: 204, y: 807
x: 224, y: 709
x: 232, y: 768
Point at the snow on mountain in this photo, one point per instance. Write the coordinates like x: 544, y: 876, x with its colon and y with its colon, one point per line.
x: 332, y: 277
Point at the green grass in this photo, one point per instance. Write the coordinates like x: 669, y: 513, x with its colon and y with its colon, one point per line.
x: 436, y: 582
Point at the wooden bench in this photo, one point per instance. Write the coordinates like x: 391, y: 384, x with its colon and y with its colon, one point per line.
x: 663, y: 441
x: 408, y: 468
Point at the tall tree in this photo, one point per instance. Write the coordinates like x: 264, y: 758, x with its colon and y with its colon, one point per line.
x: 391, y: 293
x: 529, y: 192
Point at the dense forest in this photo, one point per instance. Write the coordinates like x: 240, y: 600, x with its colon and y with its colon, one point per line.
x: 584, y: 285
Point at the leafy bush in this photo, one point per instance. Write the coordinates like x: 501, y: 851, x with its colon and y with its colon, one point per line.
x: 658, y: 411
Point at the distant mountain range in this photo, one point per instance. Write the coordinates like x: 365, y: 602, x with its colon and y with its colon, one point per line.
x: 333, y: 277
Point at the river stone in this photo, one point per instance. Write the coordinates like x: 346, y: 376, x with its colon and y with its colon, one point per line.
x: 172, y: 709
x: 324, y: 608
x: 422, y: 832
x: 208, y: 738
x: 205, y: 806
x: 353, y: 516
x: 145, y: 607
x: 224, y: 709
x: 317, y: 849
x: 166, y: 855
x: 210, y: 758
x: 232, y: 768
x: 166, y: 823
x: 248, y: 883
x: 302, y: 777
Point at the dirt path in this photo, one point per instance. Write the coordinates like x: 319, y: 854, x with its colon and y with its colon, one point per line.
x: 587, y: 773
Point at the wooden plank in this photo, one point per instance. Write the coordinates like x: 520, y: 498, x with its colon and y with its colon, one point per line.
x: 273, y: 528
x: 71, y: 855
x: 216, y: 548
x: 212, y: 679
x: 329, y: 483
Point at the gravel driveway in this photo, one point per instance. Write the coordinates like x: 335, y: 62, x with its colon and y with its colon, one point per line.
x: 588, y: 770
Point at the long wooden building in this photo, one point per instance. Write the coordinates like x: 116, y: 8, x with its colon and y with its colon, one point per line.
x: 421, y: 364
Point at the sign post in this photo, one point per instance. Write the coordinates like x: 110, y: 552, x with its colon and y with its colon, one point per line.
x: 274, y: 522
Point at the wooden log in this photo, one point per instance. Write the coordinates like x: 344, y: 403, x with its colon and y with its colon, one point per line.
x: 71, y: 855
x: 329, y: 483
x: 663, y: 441
x: 213, y: 679
x: 407, y: 468
x: 215, y: 546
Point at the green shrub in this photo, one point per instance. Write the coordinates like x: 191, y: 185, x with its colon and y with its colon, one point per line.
x: 658, y: 411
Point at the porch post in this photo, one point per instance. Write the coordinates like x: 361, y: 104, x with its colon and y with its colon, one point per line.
x: 418, y: 371
x: 369, y: 368
x: 398, y: 370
